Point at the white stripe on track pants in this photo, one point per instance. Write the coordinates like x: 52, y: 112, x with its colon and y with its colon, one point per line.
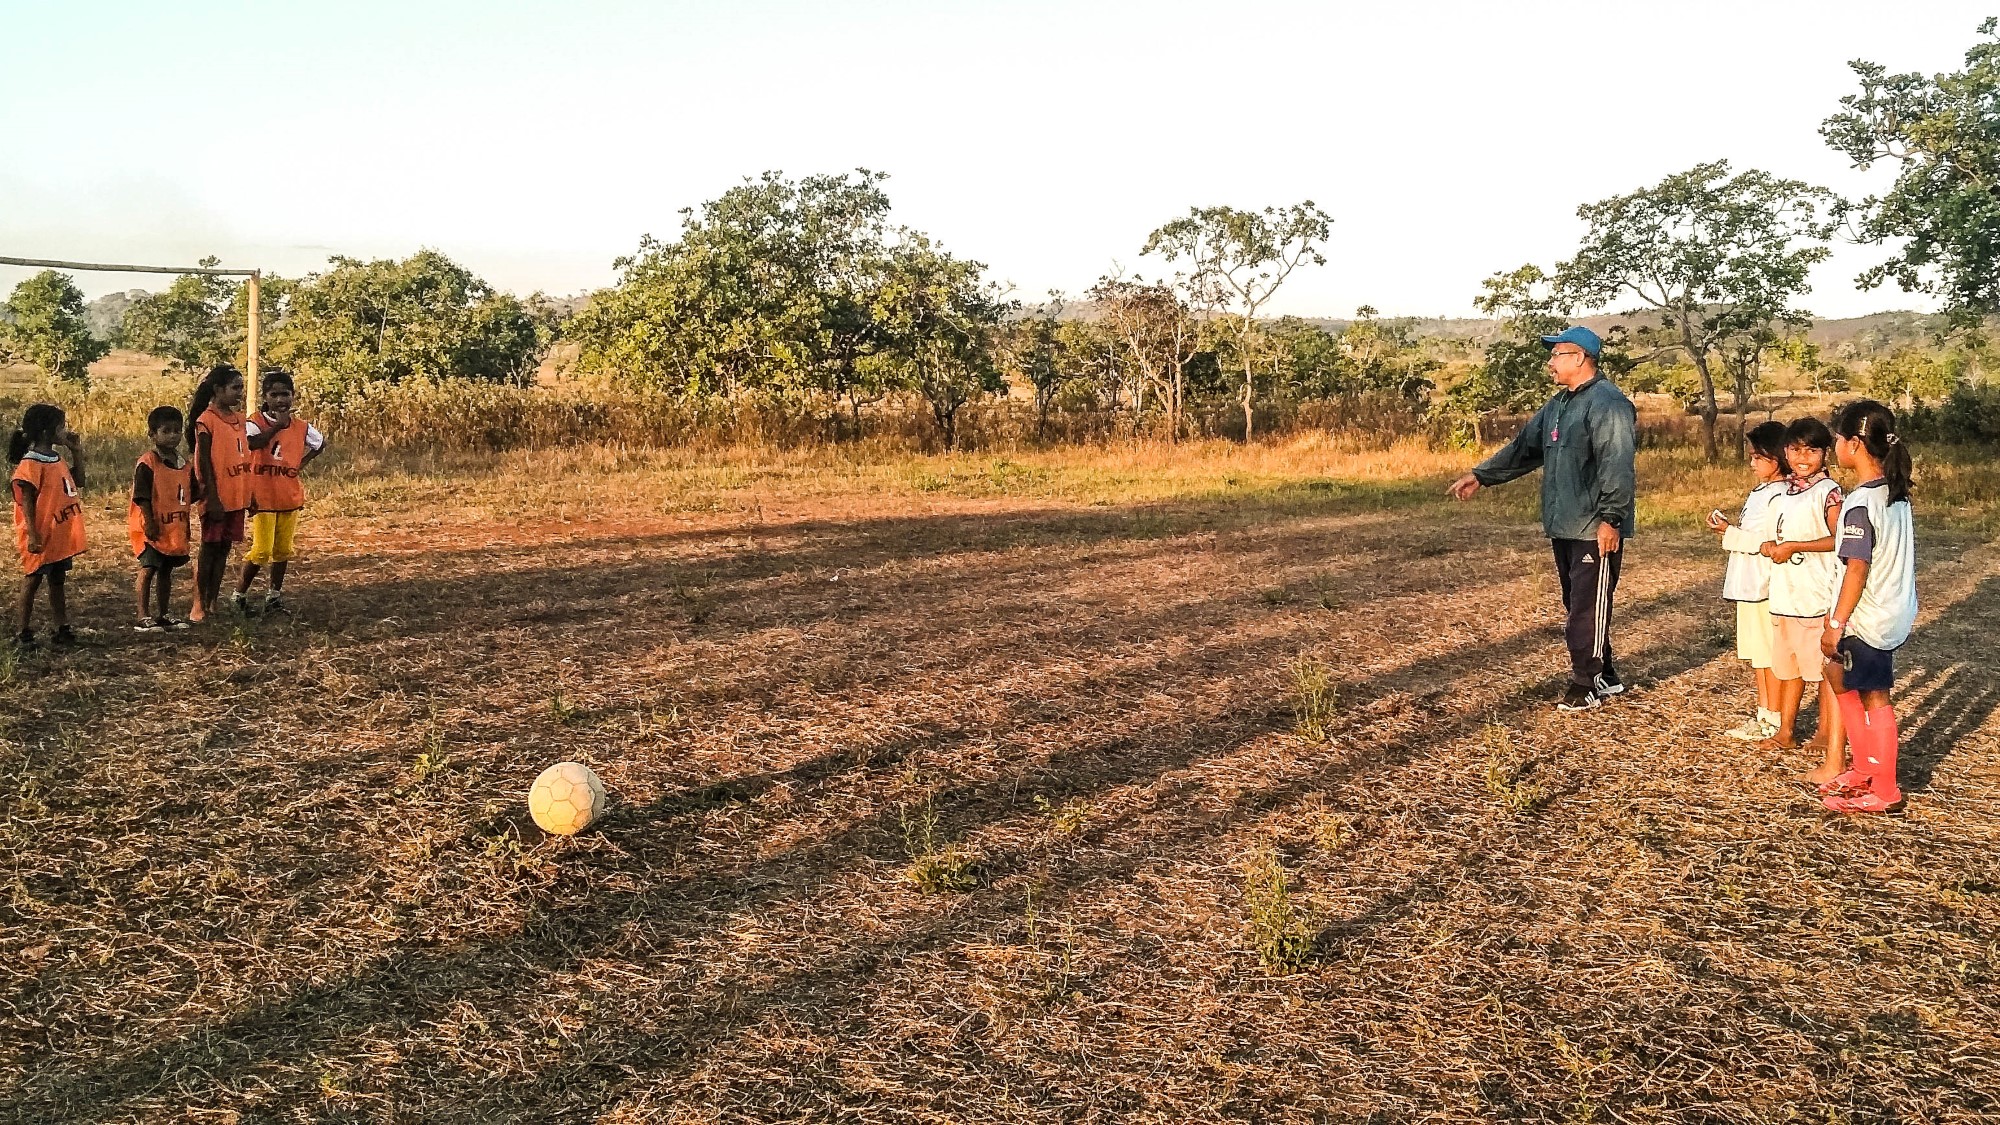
x: 1588, y: 583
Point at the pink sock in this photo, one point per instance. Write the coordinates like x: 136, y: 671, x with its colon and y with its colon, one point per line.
x: 1854, y: 719
x: 1876, y: 756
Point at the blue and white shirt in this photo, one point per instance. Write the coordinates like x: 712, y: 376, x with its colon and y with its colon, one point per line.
x: 1881, y: 534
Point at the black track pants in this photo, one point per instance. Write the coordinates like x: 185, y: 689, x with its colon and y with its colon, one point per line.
x: 1588, y: 582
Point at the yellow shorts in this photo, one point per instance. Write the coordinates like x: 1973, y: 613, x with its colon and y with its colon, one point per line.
x: 271, y: 536
x: 1754, y: 633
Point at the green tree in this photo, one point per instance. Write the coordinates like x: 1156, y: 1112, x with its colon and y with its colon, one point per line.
x: 1238, y: 260
x: 1158, y: 338
x: 1382, y: 356
x: 1742, y: 356
x: 47, y: 328
x: 771, y: 286
x: 1915, y: 375
x: 1033, y: 350
x: 184, y: 322
x: 1513, y: 375
x: 1943, y: 210
x: 939, y: 320
x: 425, y: 317
x: 1714, y: 255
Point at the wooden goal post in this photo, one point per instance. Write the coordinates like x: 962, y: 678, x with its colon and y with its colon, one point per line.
x: 256, y: 306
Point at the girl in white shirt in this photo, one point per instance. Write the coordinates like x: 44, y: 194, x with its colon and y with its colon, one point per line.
x: 1747, y: 580
x: 1803, y: 573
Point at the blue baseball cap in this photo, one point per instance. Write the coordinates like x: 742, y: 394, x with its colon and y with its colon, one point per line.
x: 1580, y: 336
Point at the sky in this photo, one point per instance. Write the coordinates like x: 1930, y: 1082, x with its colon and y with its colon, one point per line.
x: 536, y: 142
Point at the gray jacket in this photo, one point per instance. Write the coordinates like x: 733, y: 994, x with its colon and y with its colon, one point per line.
x: 1582, y: 440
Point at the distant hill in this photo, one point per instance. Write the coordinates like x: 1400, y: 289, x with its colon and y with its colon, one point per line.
x: 106, y: 313
x: 1851, y: 337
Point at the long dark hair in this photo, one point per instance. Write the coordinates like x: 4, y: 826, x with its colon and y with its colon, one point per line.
x: 1875, y: 426
x: 41, y: 424
x: 1768, y: 439
x: 217, y: 377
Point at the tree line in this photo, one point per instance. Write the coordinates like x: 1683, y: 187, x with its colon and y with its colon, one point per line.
x: 807, y: 291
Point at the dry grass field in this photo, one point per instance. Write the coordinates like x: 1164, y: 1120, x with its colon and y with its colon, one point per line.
x: 967, y: 789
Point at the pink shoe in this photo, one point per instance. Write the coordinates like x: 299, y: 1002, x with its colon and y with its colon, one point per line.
x: 1849, y: 784
x: 1866, y: 802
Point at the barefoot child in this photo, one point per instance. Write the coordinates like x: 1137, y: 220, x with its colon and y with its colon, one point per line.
x: 281, y: 447
x: 1877, y: 604
x: 48, y: 516
x: 1747, y: 581
x: 162, y: 493
x: 222, y: 474
x: 1802, y: 582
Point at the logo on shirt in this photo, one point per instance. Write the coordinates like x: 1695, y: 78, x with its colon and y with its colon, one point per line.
x: 1852, y: 532
x: 69, y: 487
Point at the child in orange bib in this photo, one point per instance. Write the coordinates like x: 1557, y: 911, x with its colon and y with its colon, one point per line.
x: 221, y: 461
x: 48, y: 515
x: 162, y: 495
x: 281, y: 447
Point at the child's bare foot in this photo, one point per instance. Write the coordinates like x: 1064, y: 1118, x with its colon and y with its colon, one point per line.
x: 1821, y: 776
x: 1778, y: 742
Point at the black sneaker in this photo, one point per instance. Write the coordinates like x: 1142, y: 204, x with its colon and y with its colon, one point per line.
x: 174, y: 623
x: 1576, y: 697
x: 1608, y: 684
x: 64, y: 637
x: 149, y: 625
x: 26, y: 641
x: 242, y: 605
x: 275, y: 603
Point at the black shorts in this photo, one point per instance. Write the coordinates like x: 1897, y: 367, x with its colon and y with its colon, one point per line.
x: 60, y: 566
x: 152, y: 559
x: 1865, y: 667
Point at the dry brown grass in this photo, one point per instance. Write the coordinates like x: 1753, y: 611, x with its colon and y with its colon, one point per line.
x: 284, y: 872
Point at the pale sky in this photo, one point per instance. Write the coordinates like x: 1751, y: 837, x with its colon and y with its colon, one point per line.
x: 536, y: 141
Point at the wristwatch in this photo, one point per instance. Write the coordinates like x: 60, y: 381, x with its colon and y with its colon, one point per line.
x: 1836, y: 625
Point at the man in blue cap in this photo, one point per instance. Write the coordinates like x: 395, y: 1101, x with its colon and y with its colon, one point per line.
x: 1582, y: 440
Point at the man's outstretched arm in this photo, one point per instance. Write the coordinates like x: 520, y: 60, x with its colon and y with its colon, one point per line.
x: 1517, y: 458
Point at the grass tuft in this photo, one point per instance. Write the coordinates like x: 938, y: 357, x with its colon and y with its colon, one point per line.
x: 1315, y: 698
x: 1280, y: 929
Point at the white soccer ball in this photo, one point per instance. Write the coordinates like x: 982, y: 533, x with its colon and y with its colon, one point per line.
x: 566, y: 798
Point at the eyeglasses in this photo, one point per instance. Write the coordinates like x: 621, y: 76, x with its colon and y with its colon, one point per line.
x: 1566, y: 353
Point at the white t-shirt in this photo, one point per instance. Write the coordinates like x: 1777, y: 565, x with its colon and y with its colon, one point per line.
x: 1803, y: 587
x: 1881, y: 534
x: 314, y: 439
x: 1748, y: 577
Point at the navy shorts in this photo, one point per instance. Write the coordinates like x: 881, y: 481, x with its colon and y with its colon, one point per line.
x: 152, y: 559
x: 1865, y: 667
x: 60, y: 566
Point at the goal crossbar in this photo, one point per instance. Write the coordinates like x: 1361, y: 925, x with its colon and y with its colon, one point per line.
x: 255, y: 307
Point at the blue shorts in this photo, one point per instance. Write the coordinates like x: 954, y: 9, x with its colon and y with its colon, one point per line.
x: 60, y: 566
x: 1865, y: 667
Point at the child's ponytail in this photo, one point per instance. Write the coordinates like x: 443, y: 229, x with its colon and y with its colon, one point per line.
x: 1875, y: 426
x: 41, y: 424
x: 204, y: 392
